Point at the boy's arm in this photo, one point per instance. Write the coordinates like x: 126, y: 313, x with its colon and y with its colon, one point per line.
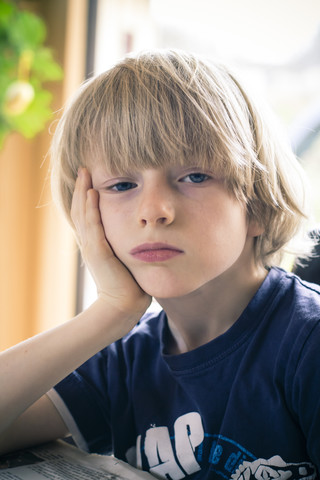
x: 39, y: 424
x: 31, y: 368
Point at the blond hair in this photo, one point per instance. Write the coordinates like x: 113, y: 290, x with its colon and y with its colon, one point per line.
x: 160, y: 107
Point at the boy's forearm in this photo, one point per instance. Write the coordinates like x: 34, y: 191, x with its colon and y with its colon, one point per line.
x: 31, y: 368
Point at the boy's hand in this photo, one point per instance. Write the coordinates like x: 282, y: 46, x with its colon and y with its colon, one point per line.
x: 115, y: 284
x: 119, y: 306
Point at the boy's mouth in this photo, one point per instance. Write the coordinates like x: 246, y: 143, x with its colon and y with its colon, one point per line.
x: 155, y: 252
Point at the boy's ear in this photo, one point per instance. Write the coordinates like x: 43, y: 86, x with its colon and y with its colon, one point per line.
x: 255, y: 229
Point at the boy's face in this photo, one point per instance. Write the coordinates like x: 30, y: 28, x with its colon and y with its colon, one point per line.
x: 175, y: 228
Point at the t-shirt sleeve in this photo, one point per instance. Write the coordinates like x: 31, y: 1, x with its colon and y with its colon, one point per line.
x: 82, y: 401
x: 96, y: 401
x: 306, y: 392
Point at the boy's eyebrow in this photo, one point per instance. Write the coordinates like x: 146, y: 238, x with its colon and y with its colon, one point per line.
x: 113, y: 173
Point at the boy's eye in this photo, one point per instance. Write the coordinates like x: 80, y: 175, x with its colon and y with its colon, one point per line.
x: 123, y: 186
x: 195, y: 178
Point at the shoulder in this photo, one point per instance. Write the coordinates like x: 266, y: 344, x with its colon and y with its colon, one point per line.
x: 302, y: 300
x: 287, y: 313
x: 298, y: 295
x: 285, y: 306
x: 295, y: 316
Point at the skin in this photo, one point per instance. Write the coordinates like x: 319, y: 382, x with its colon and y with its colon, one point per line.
x: 212, y: 279
x: 192, y: 210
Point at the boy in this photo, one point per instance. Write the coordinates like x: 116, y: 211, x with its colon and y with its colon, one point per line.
x: 177, y: 189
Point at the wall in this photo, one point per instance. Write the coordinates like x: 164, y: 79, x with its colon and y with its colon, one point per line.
x: 38, y: 256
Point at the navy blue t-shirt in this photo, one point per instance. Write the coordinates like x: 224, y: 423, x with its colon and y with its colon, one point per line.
x: 245, y: 405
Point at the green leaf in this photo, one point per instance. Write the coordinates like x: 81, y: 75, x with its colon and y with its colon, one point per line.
x: 34, y: 119
x: 45, y: 67
x: 6, y: 11
x: 27, y: 31
x: 24, y: 58
x: 4, y: 130
x: 8, y: 69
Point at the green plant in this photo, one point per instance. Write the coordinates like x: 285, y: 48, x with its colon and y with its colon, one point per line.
x: 25, y: 65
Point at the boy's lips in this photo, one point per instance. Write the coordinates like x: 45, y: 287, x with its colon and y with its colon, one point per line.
x: 155, y: 252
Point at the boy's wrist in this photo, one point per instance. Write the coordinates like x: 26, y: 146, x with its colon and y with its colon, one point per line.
x: 114, y: 321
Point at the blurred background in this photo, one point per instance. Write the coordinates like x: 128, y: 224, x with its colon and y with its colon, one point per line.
x: 48, y: 47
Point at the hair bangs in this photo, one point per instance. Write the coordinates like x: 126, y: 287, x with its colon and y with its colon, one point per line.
x: 141, y: 117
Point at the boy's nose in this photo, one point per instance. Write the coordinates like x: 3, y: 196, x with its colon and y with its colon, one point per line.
x: 156, y: 208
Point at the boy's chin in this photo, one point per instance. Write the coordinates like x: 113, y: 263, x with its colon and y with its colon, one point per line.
x: 162, y: 286
x: 166, y: 292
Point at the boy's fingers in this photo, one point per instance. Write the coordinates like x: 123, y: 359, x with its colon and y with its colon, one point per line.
x: 79, y: 199
x: 95, y: 232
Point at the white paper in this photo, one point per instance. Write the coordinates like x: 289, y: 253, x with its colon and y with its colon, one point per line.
x: 60, y: 461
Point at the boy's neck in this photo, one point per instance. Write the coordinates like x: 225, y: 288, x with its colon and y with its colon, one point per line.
x: 203, y: 315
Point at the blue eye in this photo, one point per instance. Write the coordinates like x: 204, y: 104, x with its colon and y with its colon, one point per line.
x: 195, y: 178
x: 123, y: 186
